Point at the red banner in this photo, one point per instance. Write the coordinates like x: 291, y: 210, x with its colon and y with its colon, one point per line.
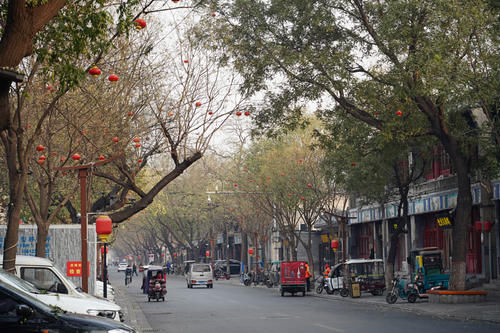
x: 74, y: 268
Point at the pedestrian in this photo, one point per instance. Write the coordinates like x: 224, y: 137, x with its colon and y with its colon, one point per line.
x: 168, y: 267
x: 308, y: 278
x: 134, y: 269
x: 326, y: 271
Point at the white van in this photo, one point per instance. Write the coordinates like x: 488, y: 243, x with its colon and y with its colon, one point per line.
x: 200, y: 275
x: 45, y: 276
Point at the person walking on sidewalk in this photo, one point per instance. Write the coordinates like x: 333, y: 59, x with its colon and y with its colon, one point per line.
x: 134, y: 269
x: 308, y: 278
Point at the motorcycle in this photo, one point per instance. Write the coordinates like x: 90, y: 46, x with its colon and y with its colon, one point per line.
x: 409, y: 291
x: 221, y: 274
x: 248, y: 278
x: 323, y: 285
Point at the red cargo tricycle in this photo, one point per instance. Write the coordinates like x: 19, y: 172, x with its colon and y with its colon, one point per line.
x: 293, y: 277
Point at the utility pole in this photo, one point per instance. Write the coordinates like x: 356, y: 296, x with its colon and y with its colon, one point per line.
x: 83, y: 173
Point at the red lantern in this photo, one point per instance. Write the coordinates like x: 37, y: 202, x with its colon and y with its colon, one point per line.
x: 247, y: 113
x: 207, y: 253
x: 300, y: 161
x: 115, y: 139
x: 137, y: 140
x: 102, y: 250
x: 175, y: 1
x: 139, y: 24
x: 76, y: 157
x: 309, y: 185
x: 137, y: 145
x: 186, y: 61
x: 235, y: 185
x: 139, y: 161
x: 103, y: 227
x: 335, y: 244
x: 377, y: 113
x: 101, y: 157
x: 250, y: 251
x: 40, y: 162
x: 40, y: 148
x: 130, y: 114
x: 353, y: 163
x: 251, y: 181
x: 94, y: 71
x: 478, y: 225
x: 175, y: 254
x: 238, y: 113
x: 487, y: 226
x: 197, y: 104
x: 42, y: 158
x: 163, y: 254
x: 303, y: 199
x: 213, y: 14
x: 289, y: 194
x: 170, y: 114
x: 113, y: 78
x: 399, y: 113
x: 210, y: 113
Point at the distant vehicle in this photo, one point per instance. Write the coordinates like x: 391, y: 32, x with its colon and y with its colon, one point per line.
x: 20, y: 312
x: 122, y: 266
x: 234, y: 265
x: 67, y: 303
x: 199, y: 275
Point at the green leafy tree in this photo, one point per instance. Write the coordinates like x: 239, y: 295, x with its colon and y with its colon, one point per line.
x: 426, y: 58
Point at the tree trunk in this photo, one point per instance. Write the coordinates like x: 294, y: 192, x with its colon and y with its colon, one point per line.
x: 244, y: 251
x: 41, y: 239
x: 17, y: 182
x: 462, y: 221
x: 391, y: 258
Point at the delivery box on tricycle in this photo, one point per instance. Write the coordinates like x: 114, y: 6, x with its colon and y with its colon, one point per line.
x: 293, y: 277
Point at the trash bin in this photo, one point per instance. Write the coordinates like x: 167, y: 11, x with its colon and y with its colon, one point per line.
x: 355, y: 292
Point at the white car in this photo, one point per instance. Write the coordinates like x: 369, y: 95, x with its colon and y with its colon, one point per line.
x: 122, y: 266
x: 67, y: 303
x: 110, y: 291
x: 46, y: 277
x: 199, y: 275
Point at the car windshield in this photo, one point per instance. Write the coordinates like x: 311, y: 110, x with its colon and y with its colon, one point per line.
x: 19, y: 283
x: 201, y: 268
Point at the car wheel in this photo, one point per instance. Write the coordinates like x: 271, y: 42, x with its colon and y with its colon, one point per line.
x: 344, y: 292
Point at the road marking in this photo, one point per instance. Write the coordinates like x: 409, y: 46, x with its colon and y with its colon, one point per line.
x: 333, y: 329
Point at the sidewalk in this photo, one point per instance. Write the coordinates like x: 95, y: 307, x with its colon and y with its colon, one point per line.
x: 488, y: 311
x: 133, y: 313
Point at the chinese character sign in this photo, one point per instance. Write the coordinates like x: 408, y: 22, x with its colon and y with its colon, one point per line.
x: 74, y: 268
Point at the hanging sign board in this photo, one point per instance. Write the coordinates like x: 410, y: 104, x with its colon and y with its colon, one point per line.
x: 444, y: 221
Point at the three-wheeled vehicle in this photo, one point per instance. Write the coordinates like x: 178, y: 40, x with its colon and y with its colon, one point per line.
x: 369, y: 273
x: 428, y: 264
x: 293, y: 277
x: 154, y: 283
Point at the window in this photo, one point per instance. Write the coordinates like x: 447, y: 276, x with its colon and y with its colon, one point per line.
x: 44, y: 279
x: 201, y: 268
x: 7, y: 307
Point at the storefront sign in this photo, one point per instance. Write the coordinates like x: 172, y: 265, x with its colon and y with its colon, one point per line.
x: 444, y: 221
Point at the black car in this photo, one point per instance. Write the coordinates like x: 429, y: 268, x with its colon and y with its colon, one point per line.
x: 234, y: 266
x: 20, y: 312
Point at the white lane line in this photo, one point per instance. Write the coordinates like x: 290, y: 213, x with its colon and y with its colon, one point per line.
x: 333, y: 329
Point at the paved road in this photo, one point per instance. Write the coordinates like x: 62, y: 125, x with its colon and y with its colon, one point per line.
x: 232, y: 308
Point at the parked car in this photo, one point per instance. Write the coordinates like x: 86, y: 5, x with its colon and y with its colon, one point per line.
x: 199, y: 275
x: 234, y: 265
x: 122, y: 266
x: 45, y: 276
x: 65, y: 302
x: 21, y: 312
x: 99, y: 291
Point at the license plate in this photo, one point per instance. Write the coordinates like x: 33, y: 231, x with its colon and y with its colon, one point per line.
x: 201, y: 282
